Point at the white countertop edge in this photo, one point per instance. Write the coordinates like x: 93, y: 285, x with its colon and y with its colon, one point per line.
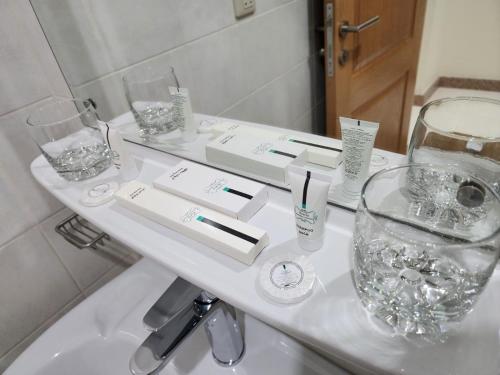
x: 245, y: 298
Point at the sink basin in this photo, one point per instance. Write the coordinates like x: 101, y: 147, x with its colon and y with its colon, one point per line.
x: 100, y: 335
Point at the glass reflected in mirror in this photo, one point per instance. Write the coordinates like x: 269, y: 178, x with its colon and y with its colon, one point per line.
x: 463, y: 131
x: 290, y: 79
x: 149, y: 96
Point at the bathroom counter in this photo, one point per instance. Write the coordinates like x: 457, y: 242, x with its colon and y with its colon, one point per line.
x: 332, y: 320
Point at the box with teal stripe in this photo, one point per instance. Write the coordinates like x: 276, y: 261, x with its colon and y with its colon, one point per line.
x: 232, y: 195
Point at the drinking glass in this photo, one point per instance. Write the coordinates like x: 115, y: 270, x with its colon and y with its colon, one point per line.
x: 67, y: 133
x: 463, y: 131
x: 426, y: 241
x: 148, y: 94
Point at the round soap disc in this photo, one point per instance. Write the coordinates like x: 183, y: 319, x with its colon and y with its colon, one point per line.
x: 287, y: 279
x: 206, y: 126
x: 101, y: 193
x: 379, y: 160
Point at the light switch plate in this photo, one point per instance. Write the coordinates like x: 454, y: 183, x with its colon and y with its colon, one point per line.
x: 243, y: 8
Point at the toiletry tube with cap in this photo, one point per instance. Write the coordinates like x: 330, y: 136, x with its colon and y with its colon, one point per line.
x: 358, y: 138
x: 122, y: 159
x: 310, y: 194
x: 184, y: 113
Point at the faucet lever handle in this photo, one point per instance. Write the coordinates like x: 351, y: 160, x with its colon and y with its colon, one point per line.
x: 179, y: 294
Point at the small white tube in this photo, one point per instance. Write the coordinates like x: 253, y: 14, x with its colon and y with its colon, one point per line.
x: 183, y: 113
x: 358, y: 138
x: 122, y: 159
x: 310, y: 194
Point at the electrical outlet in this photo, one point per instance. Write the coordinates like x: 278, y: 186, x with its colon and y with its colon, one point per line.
x: 243, y: 8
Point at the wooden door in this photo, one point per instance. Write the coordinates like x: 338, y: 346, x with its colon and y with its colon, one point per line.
x: 377, y: 80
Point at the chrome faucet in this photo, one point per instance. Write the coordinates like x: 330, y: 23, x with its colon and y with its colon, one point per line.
x: 177, y: 314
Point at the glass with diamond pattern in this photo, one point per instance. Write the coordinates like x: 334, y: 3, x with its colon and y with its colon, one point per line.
x: 66, y: 131
x: 426, y: 241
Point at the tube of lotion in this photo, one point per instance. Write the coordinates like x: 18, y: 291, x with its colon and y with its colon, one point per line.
x: 184, y: 113
x: 310, y: 193
x: 122, y: 159
x: 358, y: 138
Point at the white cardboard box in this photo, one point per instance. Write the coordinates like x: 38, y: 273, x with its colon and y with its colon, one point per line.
x: 325, y: 151
x: 230, y: 236
x: 261, y: 157
x: 223, y: 127
x: 232, y: 195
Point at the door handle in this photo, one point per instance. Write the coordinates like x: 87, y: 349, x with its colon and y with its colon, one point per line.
x: 345, y: 28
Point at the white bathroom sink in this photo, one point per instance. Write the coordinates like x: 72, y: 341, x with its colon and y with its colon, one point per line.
x: 100, y: 335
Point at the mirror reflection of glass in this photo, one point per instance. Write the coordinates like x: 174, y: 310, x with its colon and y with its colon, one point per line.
x: 150, y: 100
x: 461, y: 131
x: 283, y: 67
x: 263, y: 68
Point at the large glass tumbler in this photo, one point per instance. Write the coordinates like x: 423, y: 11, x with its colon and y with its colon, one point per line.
x: 426, y: 241
x: 149, y: 95
x: 67, y: 133
x: 464, y: 131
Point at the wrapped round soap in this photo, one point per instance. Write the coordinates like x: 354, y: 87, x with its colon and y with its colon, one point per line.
x: 98, y: 194
x: 287, y: 278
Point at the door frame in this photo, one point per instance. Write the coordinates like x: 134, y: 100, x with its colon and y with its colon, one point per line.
x: 332, y: 98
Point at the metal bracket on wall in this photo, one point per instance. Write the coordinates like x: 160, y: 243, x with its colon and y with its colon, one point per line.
x: 81, y: 233
x: 329, y: 39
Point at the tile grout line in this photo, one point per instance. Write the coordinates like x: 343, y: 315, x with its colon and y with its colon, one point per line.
x: 53, y: 214
x: 190, y: 42
x: 12, y: 348
x: 60, y: 260
x: 80, y: 287
x: 309, y: 112
x: 312, y: 108
x: 52, y: 56
x: 102, y: 277
x: 303, y: 116
x: 17, y: 236
x: 24, y: 106
x: 241, y: 100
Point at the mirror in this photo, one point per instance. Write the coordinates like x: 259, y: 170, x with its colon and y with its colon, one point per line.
x: 289, y: 68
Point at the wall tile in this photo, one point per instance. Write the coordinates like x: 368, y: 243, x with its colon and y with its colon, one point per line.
x: 24, y: 201
x: 304, y: 123
x: 28, y: 69
x: 224, y: 67
x: 108, y: 93
x: 107, y: 277
x: 312, y: 121
x: 280, y: 103
x: 92, y: 38
x: 267, y: 5
x: 258, y: 68
x: 34, y: 285
x: 12, y: 354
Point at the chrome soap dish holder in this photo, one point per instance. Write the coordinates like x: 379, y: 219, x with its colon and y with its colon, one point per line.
x: 81, y: 233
